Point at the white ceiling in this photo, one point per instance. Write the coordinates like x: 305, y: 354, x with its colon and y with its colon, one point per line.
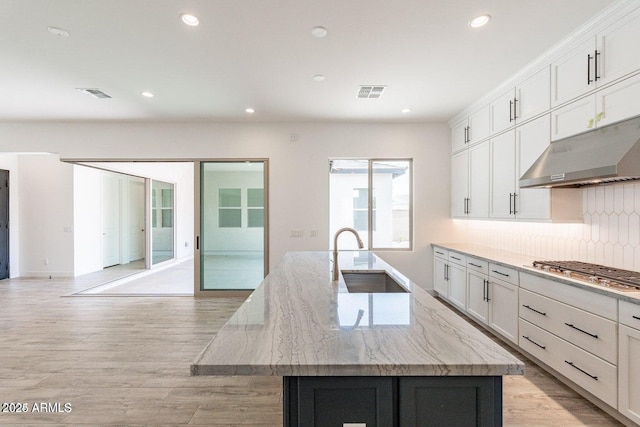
x: 261, y: 54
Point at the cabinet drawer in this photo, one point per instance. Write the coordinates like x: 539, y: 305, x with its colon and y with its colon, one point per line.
x: 593, y: 374
x: 458, y: 258
x: 477, y: 265
x: 585, y: 330
x: 592, y: 302
x: 441, y: 253
x: 630, y: 314
x: 503, y: 273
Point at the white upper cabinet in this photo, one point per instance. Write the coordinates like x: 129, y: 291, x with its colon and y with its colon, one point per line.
x: 502, y: 112
x: 619, y: 54
x: 618, y: 102
x: 470, y: 130
x: 573, y: 75
x: 531, y: 141
x: 459, y: 184
x: 529, y: 98
x: 503, y: 175
x: 478, y: 203
x: 609, y: 105
x: 533, y: 96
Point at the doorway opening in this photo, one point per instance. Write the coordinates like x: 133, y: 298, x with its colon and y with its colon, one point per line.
x: 4, y: 224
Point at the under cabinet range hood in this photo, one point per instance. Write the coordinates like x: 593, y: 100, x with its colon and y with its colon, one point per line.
x: 604, y: 155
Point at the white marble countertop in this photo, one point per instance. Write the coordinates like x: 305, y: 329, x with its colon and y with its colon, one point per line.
x: 300, y: 323
x: 524, y: 263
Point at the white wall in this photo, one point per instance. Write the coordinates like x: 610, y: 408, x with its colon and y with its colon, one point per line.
x: 298, y: 176
x: 87, y: 232
x: 46, y: 216
x: 10, y: 162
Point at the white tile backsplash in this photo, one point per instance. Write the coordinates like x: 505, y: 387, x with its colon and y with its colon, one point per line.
x: 609, y: 235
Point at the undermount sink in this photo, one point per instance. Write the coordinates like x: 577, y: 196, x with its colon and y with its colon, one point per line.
x: 371, y: 282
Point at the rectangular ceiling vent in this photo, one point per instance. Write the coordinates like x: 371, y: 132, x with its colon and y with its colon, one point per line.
x: 96, y: 93
x: 370, y: 91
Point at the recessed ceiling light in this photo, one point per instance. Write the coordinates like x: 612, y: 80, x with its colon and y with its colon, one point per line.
x: 59, y: 32
x: 480, y: 21
x: 405, y: 110
x: 147, y: 94
x: 319, y: 32
x: 249, y: 110
x: 190, y: 20
x: 319, y: 78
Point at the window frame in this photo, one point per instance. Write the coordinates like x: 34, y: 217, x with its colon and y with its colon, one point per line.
x: 370, y: 202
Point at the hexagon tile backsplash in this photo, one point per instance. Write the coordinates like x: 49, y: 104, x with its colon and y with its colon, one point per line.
x: 610, y: 234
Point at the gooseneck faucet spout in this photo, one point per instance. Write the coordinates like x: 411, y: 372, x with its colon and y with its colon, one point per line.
x: 336, y: 270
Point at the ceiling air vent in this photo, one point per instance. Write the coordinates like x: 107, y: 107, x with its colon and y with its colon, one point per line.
x: 96, y: 93
x: 370, y: 91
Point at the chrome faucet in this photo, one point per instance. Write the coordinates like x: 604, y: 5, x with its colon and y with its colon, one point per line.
x: 336, y: 270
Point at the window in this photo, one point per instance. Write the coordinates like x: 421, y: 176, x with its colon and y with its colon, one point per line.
x: 162, y: 215
x: 229, y: 208
x: 255, y: 207
x: 374, y: 197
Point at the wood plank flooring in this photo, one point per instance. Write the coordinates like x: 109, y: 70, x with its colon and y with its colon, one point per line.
x: 125, y: 361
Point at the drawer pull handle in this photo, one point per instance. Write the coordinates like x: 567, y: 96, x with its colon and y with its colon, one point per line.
x: 578, y: 329
x: 455, y: 258
x: 636, y: 317
x: 533, y: 309
x: 479, y: 266
x: 502, y: 274
x: 440, y: 253
x: 532, y: 341
x: 581, y: 370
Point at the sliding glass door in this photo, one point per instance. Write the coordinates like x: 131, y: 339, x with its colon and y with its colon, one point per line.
x: 232, y: 238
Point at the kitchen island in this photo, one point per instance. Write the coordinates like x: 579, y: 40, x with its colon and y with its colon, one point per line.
x: 400, y: 358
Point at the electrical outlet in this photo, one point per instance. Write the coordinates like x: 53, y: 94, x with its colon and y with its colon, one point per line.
x: 313, y: 233
x: 296, y: 234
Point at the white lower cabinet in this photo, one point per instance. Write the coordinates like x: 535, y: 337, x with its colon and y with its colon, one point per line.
x: 477, y: 304
x: 593, y: 374
x: 503, y: 309
x: 629, y: 361
x: 457, y: 286
x: 440, y: 267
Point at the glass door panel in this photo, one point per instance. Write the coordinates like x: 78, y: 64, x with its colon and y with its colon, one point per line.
x: 162, y: 230
x: 232, y: 225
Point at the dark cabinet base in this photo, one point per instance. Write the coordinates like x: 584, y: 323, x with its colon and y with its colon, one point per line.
x: 392, y: 401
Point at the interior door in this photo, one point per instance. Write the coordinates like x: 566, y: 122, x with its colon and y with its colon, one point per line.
x: 4, y: 224
x: 231, y: 253
x: 110, y: 220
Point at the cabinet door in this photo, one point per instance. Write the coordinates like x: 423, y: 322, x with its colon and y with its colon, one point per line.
x: 618, y: 47
x: 477, y: 304
x: 533, y: 95
x: 479, y: 125
x: 572, y: 75
x: 531, y: 140
x: 502, y: 112
x: 440, y: 284
x: 618, y: 102
x: 458, y: 286
x: 577, y: 117
x: 478, y: 205
x: 459, y: 183
x: 503, y: 309
x: 459, y: 136
x: 629, y: 373
x: 503, y: 175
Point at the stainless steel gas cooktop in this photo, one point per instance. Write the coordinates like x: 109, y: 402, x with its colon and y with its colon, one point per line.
x: 614, y: 278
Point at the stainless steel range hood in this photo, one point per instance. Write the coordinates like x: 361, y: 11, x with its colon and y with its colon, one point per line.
x: 607, y: 154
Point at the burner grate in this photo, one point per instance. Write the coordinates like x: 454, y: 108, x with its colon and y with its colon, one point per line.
x: 627, y: 277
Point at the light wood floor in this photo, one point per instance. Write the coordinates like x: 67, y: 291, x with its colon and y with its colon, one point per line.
x: 125, y: 361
